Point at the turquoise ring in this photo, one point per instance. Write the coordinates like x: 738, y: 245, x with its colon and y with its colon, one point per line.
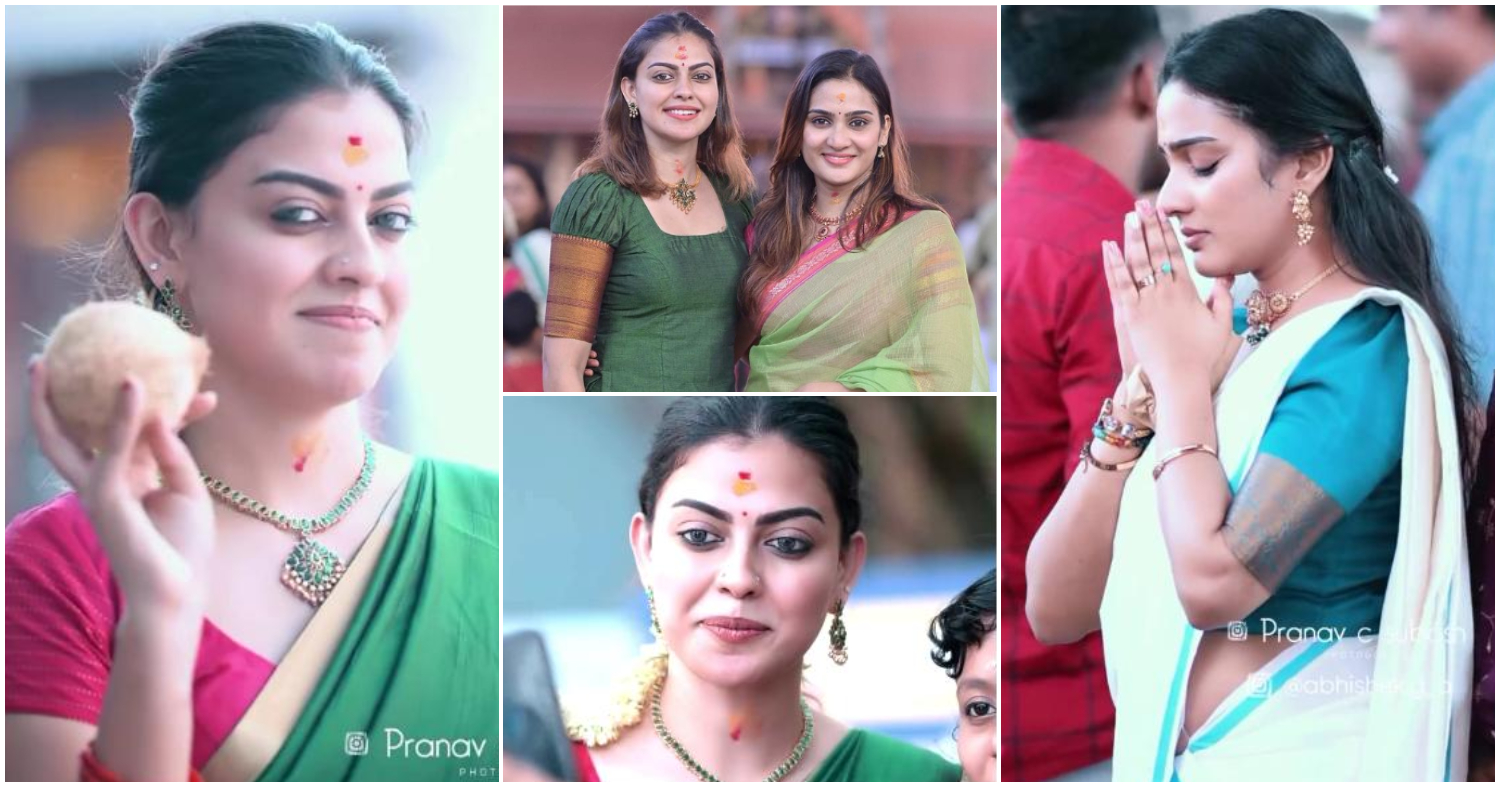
x: 1166, y: 267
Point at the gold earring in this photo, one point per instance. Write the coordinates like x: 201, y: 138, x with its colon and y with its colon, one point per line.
x: 881, y: 152
x: 166, y: 303
x: 634, y: 112
x: 838, y: 637
x: 1302, y: 212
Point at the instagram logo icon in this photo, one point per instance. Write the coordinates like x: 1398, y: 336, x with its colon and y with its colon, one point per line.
x: 356, y: 744
x: 1237, y: 631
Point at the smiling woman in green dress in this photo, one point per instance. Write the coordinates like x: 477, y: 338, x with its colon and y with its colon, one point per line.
x: 645, y: 262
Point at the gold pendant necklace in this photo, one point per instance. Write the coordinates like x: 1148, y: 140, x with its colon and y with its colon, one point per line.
x: 827, y: 225
x: 311, y: 570
x: 1264, y: 309
x: 683, y: 195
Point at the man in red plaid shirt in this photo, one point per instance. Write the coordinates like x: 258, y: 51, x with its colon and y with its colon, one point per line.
x: 1080, y: 88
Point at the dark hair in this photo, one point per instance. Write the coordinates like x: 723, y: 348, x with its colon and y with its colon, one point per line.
x: 534, y: 174
x: 206, y: 96
x: 1289, y: 78
x: 1057, y: 63
x: 809, y: 422
x: 781, y: 218
x: 962, y: 624
x: 620, y: 150
x: 519, y: 313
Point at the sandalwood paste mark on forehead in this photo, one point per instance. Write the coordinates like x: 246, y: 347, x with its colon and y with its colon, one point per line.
x: 355, y: 152
x: 744, y: 485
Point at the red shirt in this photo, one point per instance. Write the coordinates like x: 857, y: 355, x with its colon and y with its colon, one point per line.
x: 1058, y: 362
x: 522, y: 377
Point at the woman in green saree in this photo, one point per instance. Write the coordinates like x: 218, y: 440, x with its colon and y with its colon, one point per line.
x: 747, y: 539
x: 269, y: 196
x: 854, y: 282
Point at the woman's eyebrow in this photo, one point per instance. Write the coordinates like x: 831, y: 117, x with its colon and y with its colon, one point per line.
x: 1173, y: 147
x: 327, y: 189
x: 674, y: 65
x: 816, y: 111
x: 769, y: 518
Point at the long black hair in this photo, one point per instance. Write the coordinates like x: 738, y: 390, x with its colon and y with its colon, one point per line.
x: 207, y: 95
x: 809, y: 422
x: 1288, y: 77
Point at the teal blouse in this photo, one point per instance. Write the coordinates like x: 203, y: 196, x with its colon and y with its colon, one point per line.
x: 1340, y: 423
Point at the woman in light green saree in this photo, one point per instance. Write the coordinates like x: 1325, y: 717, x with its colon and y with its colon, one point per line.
x: 854, y: 282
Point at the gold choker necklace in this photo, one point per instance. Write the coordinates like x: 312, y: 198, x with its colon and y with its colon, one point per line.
x: 1264, y: 309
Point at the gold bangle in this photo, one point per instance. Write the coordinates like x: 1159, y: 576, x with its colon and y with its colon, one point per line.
x: 1088, y: 456
x: 1178, y: 453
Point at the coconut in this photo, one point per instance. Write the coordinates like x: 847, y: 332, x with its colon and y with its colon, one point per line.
x: 95, y: 347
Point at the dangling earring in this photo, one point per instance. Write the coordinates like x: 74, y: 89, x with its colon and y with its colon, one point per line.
x: 166, y: 303
x: 838, y: 637
x: 881, y: 152
x: 655, y: 622
x: 634, y: 112
x: 1302, y: 212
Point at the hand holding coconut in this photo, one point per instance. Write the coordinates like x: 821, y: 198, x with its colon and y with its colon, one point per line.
x: 113, y: 387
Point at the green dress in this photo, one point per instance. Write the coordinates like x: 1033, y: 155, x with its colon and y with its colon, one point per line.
x: 667, y: 317
x: 864, y: 756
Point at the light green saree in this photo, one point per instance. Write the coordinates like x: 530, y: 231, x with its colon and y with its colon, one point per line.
x: 897, y: 316
x: 397, y: 677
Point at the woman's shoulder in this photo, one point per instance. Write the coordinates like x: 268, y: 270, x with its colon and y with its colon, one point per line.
x: 1369, y: 339
x: 59, y: 526
x: 866, y: 755
x: 461, y: 482
x: 593, y: 207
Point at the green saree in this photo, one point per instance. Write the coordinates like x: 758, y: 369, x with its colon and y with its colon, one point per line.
x: 896, y: 316
x: 864, y: 756
x: 413, y: 679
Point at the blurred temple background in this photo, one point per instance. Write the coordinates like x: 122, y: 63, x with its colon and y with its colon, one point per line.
x: 67, y: 139
x: 572, y: 468
x: 940, y: 63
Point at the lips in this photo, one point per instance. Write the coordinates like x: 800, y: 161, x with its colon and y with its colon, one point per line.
x: 734, y: 631
x: 682, y: 113
x: 1193, y: 238
x: 343, y: 316
x: 838, y: 160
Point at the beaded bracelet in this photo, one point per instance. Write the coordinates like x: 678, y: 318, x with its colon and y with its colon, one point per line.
x: 1118, y: 433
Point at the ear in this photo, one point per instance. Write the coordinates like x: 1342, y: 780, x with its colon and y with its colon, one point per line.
x: 1141, y: 92
x: 640, y: 546
x: 627, y: 88
x: 851, y: 562
x: 1311, y: 168
x: 885, y: 130
x: 153, y: 231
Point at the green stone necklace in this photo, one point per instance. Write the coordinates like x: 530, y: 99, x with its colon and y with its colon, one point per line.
x: 691, y: 764
x: 312, y: 569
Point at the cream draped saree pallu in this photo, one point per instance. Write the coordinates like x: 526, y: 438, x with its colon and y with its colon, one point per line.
x: 1392, y: 706
x: 897, y: 316
x: 396, y: 678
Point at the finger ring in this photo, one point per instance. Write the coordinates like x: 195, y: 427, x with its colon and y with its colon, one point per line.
x: 1146, y: 281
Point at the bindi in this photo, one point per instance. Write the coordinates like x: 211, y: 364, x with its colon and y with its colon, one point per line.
x: 840, y: 97
x: 681, y: 53
x: 355, y: 152
x: 744, y: 485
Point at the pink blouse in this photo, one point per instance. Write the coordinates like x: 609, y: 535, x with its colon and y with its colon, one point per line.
x: 61, y: 607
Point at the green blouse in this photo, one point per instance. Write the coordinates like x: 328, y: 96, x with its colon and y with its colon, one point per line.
x: 667, y: 316
x: 865, y: 756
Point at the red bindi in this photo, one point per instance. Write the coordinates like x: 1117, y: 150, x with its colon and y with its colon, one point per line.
x: 744, y: 475
x: 356, y: 141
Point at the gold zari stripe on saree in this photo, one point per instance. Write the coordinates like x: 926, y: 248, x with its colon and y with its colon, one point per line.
x: 575, y: 288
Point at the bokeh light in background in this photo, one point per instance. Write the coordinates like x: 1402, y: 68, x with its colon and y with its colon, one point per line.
x: 67, y: 133
x: 940, y: 63
x: 572, y: 468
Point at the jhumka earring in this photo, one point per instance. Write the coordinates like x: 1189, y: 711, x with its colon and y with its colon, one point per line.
x: 881, y: 152
x: 838, y: 637
x: 166, y: 303
x: 635, y: 112
x: 1302, y: 212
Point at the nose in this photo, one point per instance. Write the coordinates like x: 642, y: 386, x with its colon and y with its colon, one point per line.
x: 358, y: 262
x: 1173, y: 199
x: 737, y: 575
